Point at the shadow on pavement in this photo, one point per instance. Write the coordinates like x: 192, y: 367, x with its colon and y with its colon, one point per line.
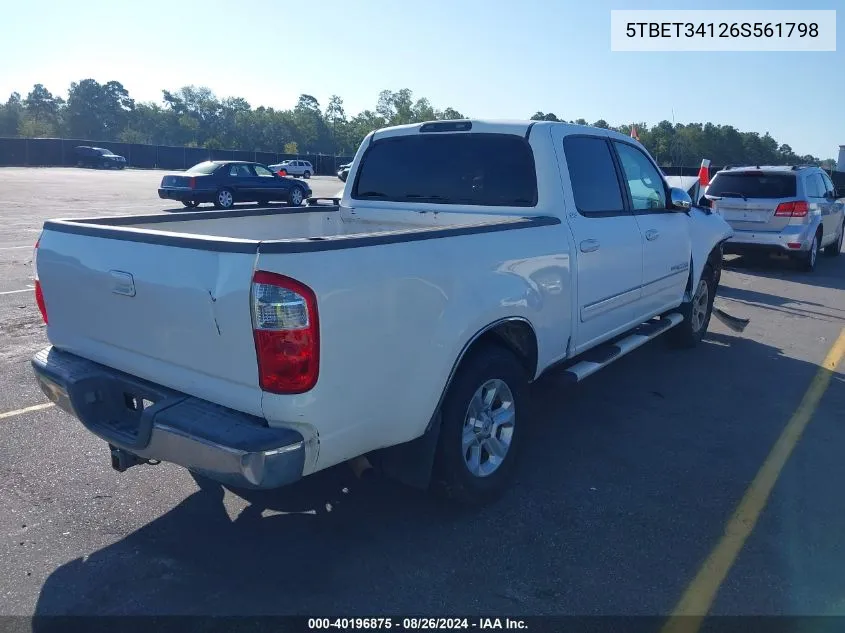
x: 625, y: 484
x: 829, y: 272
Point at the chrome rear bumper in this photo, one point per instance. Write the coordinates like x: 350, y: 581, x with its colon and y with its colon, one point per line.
x: 154, y: 422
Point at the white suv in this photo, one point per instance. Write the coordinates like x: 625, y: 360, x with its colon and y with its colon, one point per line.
x: 295, y: 168
x: 794, y: 210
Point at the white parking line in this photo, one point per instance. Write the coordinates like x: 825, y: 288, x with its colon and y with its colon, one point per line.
x: 12, y: 248
x: 12, y: 292
x: 37, y: 407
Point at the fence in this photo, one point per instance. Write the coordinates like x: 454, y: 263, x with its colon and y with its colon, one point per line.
x: 50, y: 152
x: 47, y: 152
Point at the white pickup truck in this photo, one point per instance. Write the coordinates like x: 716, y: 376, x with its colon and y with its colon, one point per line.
x: 401, y: 323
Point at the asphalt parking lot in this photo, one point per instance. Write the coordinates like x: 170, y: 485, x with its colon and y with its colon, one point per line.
x: 625, y: 487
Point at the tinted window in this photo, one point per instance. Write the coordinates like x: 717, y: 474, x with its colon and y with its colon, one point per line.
x: 240, y: 171
x: 477, y: 169
x: 263, y: 171
x: 752, y: 185
x: 593, y: 175
x: 644, y: 181
x: 203, y: 169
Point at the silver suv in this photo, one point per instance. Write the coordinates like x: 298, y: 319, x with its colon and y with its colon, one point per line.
x: 295, y: 168
x: 794, y: 210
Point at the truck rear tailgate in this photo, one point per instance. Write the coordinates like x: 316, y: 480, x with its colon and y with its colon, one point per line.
x: 179, y: 317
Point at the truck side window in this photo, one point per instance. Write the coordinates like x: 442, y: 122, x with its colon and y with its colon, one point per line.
x: 644, y: 181
x: 593, y: 176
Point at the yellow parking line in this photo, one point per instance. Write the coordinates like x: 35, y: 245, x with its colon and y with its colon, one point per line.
x: 37, y: 407
x: 698, y: 598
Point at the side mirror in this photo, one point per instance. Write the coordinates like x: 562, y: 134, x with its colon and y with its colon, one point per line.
x: 680, y: 199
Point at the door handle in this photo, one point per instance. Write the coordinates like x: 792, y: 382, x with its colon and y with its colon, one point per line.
x: 652, y: 234
x: 588, y: 246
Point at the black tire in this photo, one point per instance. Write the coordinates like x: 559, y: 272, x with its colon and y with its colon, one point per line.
x: 190, y: 203
x: 296, y: 192
x: 452, y: 475
x: 834, y: 249
x: 691, y: 330
x: 306, y: 175
x: 224, y: 201
x: 807, y: 261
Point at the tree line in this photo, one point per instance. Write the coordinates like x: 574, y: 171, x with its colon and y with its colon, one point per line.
x: 195, y: 117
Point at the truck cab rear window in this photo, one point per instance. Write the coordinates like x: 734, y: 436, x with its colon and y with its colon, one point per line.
x: 473, y: 169
x: 752, y: 185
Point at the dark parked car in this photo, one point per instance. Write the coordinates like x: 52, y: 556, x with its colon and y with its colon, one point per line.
x: 98, y: 157
x: 223, y: 183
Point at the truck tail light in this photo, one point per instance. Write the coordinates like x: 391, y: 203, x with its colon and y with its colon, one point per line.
x: 192, y: 182
x: 39, y: 294
x: 287, y: 333
x: 798, y: 209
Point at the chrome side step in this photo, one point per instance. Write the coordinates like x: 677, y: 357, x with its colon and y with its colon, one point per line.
x: 600, y: 357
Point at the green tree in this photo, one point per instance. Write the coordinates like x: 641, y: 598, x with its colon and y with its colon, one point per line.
x: 544, y: 116
x: 97, y: 111
x: 34, y: 128
x: 312, y: 132
x: 42, y: 112
x: 449, y: 114
x: 335, y: 118
x: 11, y: 114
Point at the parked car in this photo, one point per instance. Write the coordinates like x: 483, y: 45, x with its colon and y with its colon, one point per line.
x: 343, y: 171
x: 401, y: 326
x: 98, y: 157
x: 223, y: 183
x: 294, y: 168
x: 793, y: 210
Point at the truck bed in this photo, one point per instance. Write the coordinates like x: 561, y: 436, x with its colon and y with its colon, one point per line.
x: 314, y: 227
x: 166, y: 297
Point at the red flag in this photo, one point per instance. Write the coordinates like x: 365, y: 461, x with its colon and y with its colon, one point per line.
x: 704, y: 173
x: 634, y: 134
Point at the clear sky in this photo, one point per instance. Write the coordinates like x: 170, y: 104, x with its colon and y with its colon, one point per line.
x: 487, y: 59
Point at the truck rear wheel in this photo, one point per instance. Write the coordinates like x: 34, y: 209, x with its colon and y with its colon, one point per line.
x: 480, y: 426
